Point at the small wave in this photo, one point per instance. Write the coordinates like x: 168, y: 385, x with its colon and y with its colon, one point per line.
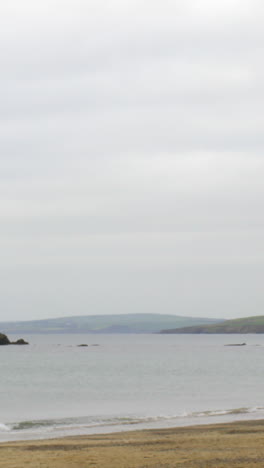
x: 84, y: 422
x: 227, y: 411
x: 4, y: 428
x: 40, y: 424
x: 97, y: 422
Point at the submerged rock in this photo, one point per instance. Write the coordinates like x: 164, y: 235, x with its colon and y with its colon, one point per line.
x: 236, y: 344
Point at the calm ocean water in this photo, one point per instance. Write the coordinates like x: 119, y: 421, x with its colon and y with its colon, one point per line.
x: 55, y: 388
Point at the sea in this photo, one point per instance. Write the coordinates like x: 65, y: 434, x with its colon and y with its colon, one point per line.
x: 53, y: 387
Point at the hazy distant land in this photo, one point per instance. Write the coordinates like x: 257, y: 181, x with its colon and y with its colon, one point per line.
x: 136, y: 323
x: 241, y: 325
x: 126, y: 323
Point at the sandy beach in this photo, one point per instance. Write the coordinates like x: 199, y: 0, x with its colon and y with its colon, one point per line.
x: 239, y: 444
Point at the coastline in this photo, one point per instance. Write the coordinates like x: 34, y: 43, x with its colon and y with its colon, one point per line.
x: 233, y: 444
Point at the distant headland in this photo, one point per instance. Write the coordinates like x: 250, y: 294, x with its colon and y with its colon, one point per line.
x: 112, y: 323
x: 242, y: 325
x: 135, y: 323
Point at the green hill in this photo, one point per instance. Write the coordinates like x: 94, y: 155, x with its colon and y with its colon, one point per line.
x: 126, y: 323
x: 242, y: 325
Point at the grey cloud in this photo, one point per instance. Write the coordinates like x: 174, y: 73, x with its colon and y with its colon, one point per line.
x: 131, y: 165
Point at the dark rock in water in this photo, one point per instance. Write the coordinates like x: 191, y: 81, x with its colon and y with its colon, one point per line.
x: 20, y: 342
x: 236, y: 344
x: 82, y: 345
x: 3, y: 339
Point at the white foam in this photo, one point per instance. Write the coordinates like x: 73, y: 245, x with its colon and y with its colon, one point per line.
x: 4, y: 428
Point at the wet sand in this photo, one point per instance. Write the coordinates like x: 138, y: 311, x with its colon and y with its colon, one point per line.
x: 239, y: 444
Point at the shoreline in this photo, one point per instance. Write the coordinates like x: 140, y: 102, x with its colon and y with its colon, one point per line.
x: 208, y: 418
x: 232, y: 444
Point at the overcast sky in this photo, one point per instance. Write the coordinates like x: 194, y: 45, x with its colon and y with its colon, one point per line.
x: 131, y: 157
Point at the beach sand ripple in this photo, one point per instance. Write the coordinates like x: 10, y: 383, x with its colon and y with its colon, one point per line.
x: 239, y: 444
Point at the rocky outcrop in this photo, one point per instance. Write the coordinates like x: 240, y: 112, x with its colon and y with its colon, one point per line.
x: 20, y: 342
x: 4, y: 340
